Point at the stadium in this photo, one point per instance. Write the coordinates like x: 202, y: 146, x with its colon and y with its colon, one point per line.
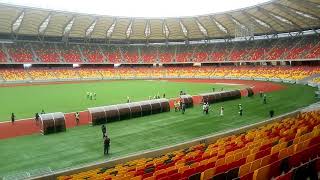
x: 219, y: 95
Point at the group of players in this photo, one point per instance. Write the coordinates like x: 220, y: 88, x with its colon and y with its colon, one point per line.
x: 91, y: 96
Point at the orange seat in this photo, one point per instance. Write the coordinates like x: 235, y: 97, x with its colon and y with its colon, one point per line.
x: 208, y: 174
x: 262, y: 173
x: 255, y: 165
x: 220, y: 162
x: 244, y: 169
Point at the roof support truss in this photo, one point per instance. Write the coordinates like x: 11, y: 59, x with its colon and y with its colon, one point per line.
x: 219, y: 26
x: 253, y: 21
x: 110, y: 29
x: 266, y: 13
x: 16, y: 24
x: 289, y: 12
x: 308, y: 5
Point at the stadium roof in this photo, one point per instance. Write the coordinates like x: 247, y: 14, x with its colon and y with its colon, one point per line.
x: 273, y: 17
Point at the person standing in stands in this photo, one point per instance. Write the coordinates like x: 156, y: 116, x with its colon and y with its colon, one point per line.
x: 37, y: 118
x: 13, y: 118
x: 104, y: 130
x: 77, y: 116
x: 106, y: 145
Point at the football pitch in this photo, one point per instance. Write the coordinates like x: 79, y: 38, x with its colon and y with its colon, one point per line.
x: 25, y: 101
x: 83, y: 144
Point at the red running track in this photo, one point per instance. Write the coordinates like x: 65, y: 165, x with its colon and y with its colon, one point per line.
x: 29, y: 126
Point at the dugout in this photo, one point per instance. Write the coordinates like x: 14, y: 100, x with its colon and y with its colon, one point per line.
x: 215, y: 97
x: 101, y: 115
x: 187, y: 99
x: 52, y: 123
x: 250, y: 92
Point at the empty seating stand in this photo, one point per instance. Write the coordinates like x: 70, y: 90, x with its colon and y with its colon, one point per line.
x: 279, y: 150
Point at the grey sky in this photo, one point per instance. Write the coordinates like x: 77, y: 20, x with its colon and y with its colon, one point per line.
x: 140, y: 8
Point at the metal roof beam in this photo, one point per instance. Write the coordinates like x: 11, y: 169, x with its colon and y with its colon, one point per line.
x: 204, y: 31
x: 45, y: 20
x: 110, y: 29
x: 215, y: 22
x: 19, y: 20
x: 184, y: 29
x: 236, y: 21
x: 129, y: 29
x: 309, y: 13
x: 289, y: 13
x: 65, y: 33
x: 165, y: 29
x: 253, y: 21
x: 90, y: 28
x: 293, y: 23
x: 254, y: 17
x: 147, y: 30
x: 307, y: 5
x: 313, y: 3
x: 267, y: 13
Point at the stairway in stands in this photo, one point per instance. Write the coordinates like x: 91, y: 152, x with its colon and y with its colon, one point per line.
x: 309, y: 78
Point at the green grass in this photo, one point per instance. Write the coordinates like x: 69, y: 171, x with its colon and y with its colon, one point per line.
x: 25, y: 101
x: 84, y: 144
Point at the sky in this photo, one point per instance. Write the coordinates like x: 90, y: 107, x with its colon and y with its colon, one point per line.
x: 140, y: 8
